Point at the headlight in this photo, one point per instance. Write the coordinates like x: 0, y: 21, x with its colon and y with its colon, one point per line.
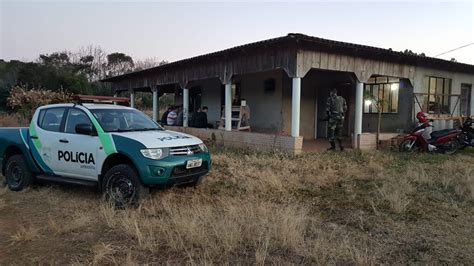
x: 203, y: 147
x: 154, y: 154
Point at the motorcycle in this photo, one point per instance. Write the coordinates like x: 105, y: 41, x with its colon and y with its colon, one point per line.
x: 445, y: 140
x: 466, y: 137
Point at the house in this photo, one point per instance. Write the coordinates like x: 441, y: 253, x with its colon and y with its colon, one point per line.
x: 286, y: 80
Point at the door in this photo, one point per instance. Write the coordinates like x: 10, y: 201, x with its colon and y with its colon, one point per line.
x: 466, y: 91
x: 45, y: 137
x: 77, y: 153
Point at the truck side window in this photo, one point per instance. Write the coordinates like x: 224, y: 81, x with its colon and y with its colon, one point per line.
x: 51, y: 120
x: 74, y: 118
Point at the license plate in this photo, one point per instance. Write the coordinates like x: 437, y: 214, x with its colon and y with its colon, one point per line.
x: 193, y: 163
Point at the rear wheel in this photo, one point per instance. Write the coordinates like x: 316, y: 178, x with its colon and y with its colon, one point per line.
x: 123, y: 187
x: 451, y: 146
x: 17, y: 174
x: 409, y: 146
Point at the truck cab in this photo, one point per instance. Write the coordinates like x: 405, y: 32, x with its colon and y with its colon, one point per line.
x: 116, y: 148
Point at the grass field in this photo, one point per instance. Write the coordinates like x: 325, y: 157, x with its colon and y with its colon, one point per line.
x: 351, y: 207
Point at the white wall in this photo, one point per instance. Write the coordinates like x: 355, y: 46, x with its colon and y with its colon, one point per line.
x: 421, y: 80
x: 265, y: 107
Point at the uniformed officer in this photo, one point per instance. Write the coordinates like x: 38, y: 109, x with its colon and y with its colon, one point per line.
x: 336, y: 108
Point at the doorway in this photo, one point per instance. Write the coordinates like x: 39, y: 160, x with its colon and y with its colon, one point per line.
x: 466, y: 92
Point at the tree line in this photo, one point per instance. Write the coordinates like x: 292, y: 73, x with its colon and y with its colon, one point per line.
x: 76, y: 72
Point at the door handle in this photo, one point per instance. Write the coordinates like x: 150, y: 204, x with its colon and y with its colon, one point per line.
x: 64, y: 141
x: 33, y: 137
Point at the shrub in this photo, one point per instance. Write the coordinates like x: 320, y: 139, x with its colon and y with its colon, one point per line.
x: 25, y: 101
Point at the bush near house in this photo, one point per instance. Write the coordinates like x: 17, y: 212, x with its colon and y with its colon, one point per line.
x: 256, y: 208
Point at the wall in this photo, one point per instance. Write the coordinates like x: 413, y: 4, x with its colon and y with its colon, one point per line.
x: 401, y: 121
x: 239, y: 139
x: 422, y: 78
x: 211, y: 97
x: 265, y: 107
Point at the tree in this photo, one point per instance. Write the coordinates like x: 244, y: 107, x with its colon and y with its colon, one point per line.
x: 119, y: 63
x: 25, y: 101
x: 148, y: 63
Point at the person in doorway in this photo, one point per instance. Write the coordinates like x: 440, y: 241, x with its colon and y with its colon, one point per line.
x: 180, y: 119
x: 172, y: 116
x: 336, y: 108
x: 201, y: 118
x: 164, y: 117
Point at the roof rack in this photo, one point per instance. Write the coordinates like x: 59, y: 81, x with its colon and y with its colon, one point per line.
x: 98, y: 99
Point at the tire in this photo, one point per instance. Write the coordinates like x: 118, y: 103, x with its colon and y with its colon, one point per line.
x: 451, y: 147
x: 17, y: 174
x: 408, y: 146
x: 123, y: 188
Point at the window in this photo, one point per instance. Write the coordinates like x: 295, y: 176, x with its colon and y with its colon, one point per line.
x: 122, y: 120
x: 438, y: 95
x: 382, y: 88
x: 50, y: 119
x: 74, y: 118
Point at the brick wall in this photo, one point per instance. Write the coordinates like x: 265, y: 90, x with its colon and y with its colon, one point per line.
x: 368, y: 141
x: 241, y: 139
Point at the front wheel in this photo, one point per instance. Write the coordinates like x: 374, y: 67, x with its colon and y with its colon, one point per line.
x: 17, y: 173
x: 122, y: 186
x: 409, y: 146
x: 451, y: 146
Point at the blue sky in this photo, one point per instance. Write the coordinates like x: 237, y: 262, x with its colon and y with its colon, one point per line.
x: 172, y: 31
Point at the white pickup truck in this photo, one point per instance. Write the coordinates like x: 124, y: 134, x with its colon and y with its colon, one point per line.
x: 116, y: 148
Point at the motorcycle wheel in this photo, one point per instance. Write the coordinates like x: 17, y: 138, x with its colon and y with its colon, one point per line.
x: 451, y: 146
x: 409, y: 146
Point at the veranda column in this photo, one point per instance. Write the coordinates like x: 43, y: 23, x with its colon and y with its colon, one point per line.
x: 295, y: 107
x: 359, y: 101
x: 228, y: 106
x: 132, y: 99
x: 115, y: 96
x: 185, y: 107
x: 155, y: 104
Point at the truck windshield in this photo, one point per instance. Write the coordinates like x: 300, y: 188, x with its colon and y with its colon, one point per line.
x: 124, y: 120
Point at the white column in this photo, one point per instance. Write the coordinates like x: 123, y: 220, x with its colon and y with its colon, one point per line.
x: 295, y: 107
x: 155, y: 104
x: 185, y: 107
x: 115, y: 96
x: 359, y: 104
x: 132, y: 99
x: 228, y: 106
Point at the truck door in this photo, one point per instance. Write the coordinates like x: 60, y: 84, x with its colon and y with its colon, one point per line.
x: 77, y: 153
x: 45, y: 133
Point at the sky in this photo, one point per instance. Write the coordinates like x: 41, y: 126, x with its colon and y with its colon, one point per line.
x: 177, y: 30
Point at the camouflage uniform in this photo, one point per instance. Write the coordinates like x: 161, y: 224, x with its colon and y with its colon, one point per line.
x: 336, y: 108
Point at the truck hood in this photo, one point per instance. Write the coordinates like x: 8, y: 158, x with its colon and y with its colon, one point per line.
x: 161, y: 139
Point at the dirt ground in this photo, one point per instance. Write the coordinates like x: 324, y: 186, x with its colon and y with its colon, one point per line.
x: 350, y: 207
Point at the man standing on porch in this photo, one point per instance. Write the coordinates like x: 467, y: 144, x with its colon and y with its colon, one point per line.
x: 336, y: 108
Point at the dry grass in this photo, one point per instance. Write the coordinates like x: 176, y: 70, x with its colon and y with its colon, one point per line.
x: 11, y: 120
x: 25, y: 233
x: 266, y: 208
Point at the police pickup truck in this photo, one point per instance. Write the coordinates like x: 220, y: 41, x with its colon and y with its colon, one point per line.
x: 116, y: 148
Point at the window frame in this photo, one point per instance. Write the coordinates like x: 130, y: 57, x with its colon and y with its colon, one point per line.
x: 67, y: 116
x: 441, y: 96
x: 378, y: 84
x: 61, y: 123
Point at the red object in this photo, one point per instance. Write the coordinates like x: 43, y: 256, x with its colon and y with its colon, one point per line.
x: 99, y: 98
x: 439, y: 139
x: 421, y: 117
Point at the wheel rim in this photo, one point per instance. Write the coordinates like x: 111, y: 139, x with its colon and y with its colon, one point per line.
x: 121, y: 190
x: 451, y: 146
x: 409, y: 145
x: 15, y: 174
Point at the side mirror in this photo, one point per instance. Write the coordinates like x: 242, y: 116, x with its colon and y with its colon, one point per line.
x: 86, y: 129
